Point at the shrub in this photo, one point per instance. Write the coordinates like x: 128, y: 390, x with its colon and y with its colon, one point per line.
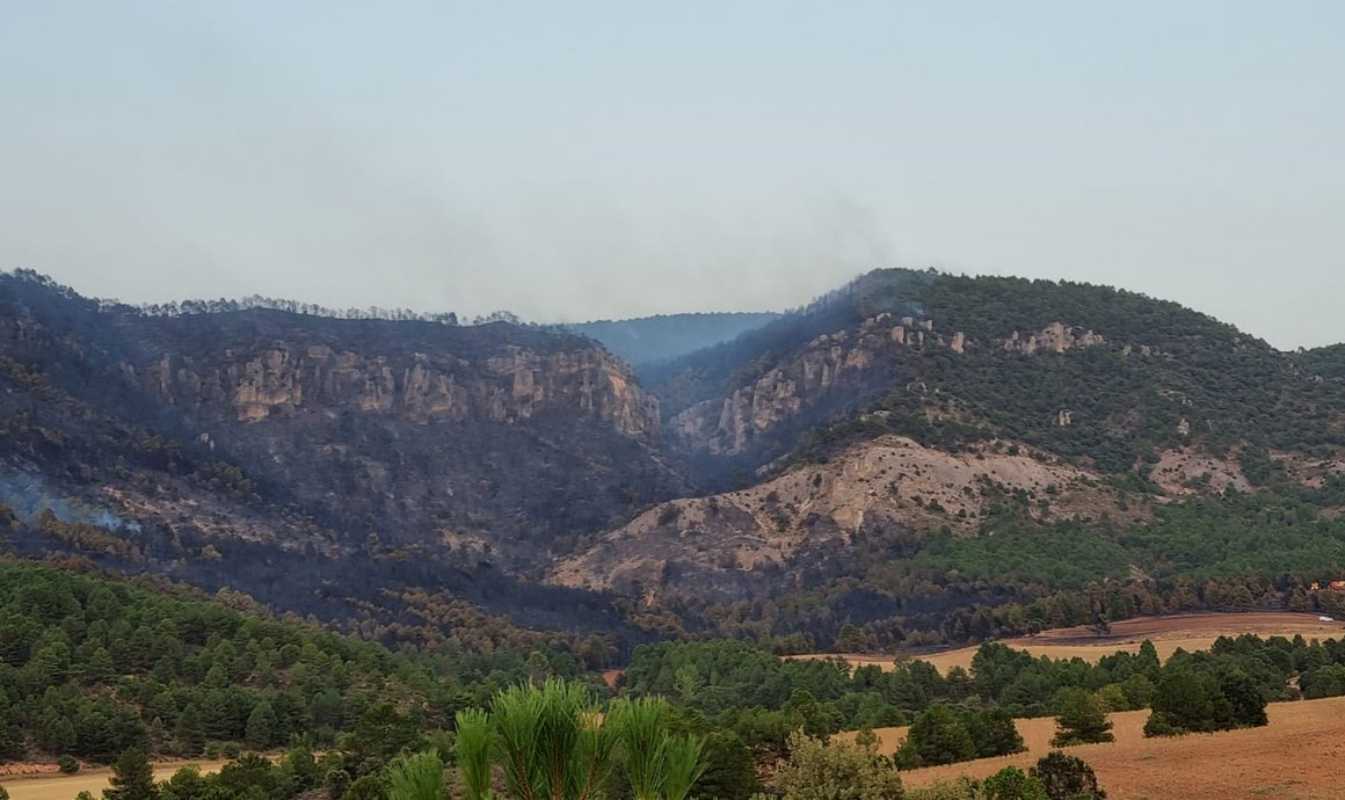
x: 817, y: 771
x: 1067, y: 778
x: 370, y: 787
x: 1112, y: 697
x: 993, y: 733
x: 938, y: 736
x: 1012, y: 783
x: 337, y: 782
x: 68, y: 765
x: 960, y: 789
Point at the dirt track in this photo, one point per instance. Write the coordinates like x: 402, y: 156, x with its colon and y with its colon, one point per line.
x: 1299, y: 756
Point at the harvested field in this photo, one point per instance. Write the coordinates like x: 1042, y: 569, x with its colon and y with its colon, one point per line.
x: 94, y: 781
x: 1184, y: 631
x: 1298, y: 756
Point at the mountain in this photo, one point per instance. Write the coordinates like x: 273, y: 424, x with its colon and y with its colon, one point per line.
x: 920, y: 456
x: 363, y: 454
x: 843, y: 451
x: 652, y: 340
x: 1091, y: 373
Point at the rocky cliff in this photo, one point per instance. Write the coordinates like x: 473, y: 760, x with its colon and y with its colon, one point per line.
x: 501, y: 440
x: 281, y: 379
x: 842, y: 365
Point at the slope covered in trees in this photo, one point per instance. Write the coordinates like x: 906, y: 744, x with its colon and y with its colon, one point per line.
x: 92, y: 666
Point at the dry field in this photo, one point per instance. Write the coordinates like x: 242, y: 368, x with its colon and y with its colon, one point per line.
x: 1299, y: 756
x: 1185, y: 631
x: 94, y: 781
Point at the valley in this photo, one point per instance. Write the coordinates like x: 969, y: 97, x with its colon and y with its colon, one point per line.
x: 263, y: 525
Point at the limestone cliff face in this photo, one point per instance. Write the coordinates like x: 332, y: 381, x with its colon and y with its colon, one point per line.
x: 830, y: 363
x: 510, y: 385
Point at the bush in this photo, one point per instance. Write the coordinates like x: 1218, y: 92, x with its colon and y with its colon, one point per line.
x: 816, y: 771
x: 938, y: 736
x: 337, y: 782
x: 993, y: 733
x: 1012, y: 783
x: 370, y: 787
x: 68, y: 765
x: 1067, y: 778
x: 960, y: 789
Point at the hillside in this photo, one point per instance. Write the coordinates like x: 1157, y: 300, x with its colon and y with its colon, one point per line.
x: 917, y: 442
x: 91, y: 666
x: 231, y: 448
x: 918, y: 457
x: 1098, y: 375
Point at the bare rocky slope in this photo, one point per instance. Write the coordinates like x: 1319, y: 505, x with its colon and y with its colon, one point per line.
x: 737, y: 544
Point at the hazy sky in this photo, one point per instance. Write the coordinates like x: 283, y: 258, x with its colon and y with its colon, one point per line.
x: 572, y: 160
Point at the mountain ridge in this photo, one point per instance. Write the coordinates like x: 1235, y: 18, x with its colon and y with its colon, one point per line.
x: 530, y: 471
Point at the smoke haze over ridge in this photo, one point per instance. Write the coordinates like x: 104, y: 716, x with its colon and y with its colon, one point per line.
x: 602, y: 160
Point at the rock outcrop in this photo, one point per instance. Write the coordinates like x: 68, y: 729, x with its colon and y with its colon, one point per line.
x: 284, y: 380
x: 834, y: 362
x: 1054, y: 338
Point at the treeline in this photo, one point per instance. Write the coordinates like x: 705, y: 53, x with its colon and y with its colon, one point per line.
x: 91, y: 667
x: 761, y: 698
x: 252, y: 302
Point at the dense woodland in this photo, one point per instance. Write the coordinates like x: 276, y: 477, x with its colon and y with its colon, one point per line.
x: 90, y: 667
x: 102, y: 670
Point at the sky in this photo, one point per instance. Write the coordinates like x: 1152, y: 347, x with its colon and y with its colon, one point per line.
x: 586, y: 160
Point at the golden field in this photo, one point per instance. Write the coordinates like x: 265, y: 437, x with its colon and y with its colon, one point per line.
x: 1300, y: 755
x: 94, y: 781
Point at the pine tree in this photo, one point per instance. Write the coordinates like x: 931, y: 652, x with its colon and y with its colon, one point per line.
x: 261, y: 726
x: 1081, y: 720
x: 190, y: 731
x: 132, y: 778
